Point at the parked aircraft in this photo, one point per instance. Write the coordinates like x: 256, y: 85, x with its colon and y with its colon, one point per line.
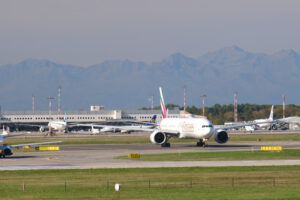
x: 266, y: 123
x: 52, y: 127
x: 122, y: 129
x: 192, y: 128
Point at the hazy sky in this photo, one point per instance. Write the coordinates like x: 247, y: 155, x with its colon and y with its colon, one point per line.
x: 87, y: 32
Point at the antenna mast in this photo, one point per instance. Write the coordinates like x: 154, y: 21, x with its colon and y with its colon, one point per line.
x: 203, y: 104
x: 283, y: 106
x: 59, y: 93
x: 184, y: 97
x: 33, y: 105
x: 235, y: 107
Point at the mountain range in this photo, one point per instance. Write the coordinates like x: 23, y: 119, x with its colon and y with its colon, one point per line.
x: 123, y: 84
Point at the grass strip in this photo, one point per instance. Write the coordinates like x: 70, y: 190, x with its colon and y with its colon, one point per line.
x: 268, y: 182
x: 221, y: 156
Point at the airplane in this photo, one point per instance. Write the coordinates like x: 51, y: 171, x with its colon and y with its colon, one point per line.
x: 184, y: 128
x: 7, y: 150
x: 266, y: 123
x: 122, y: 129
x: 52, y: 126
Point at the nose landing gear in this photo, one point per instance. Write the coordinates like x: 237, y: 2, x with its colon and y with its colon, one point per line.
x: 202, y: 143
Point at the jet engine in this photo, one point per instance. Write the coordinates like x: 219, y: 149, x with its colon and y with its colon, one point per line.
x: 221, y: 136
x: 158, y: 137
x: 42, y: 128
x: 6, y: 151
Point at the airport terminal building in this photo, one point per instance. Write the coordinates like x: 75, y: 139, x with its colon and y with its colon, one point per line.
x: 82, y: 116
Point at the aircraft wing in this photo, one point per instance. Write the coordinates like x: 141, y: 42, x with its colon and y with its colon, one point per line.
x: 130, y: 128
x: 243, y: 125
x: 34, y: 144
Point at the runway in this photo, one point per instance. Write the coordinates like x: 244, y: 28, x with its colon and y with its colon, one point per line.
x: 103, y: 156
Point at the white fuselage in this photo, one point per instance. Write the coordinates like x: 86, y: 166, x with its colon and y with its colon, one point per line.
x: 57, y: 125
x: 263, y: 123
x: 107, y: 129
x: 95, y: 130
x: 195, y: 128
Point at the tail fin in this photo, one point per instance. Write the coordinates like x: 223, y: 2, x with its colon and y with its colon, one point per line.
x: 153, y: 119
x: 162, y: 104
x: 271, y: 113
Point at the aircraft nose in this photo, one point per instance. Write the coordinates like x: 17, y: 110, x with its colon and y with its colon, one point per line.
x: 210, y: 130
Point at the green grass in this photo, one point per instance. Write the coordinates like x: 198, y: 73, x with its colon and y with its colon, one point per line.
x: 134, y: 139
x: 264, y: 137
x: 268, y: 182
x: 220, y: 156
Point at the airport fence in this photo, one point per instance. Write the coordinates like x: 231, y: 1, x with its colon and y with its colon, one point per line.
x: 73, y: 184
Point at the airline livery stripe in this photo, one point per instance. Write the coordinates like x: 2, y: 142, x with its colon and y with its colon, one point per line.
x: 162, y: 104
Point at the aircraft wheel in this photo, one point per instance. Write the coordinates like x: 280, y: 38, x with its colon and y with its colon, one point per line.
x: 200, y: 143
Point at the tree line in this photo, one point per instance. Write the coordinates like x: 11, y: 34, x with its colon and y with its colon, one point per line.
x: 219, y: 114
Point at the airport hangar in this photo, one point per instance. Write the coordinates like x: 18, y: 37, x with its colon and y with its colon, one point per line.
x: 15, y: 119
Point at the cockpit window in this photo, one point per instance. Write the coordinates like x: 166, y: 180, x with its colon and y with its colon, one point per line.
x: 206, y: 126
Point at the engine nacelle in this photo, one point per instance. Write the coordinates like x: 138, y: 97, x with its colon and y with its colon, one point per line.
x: 221, y: 136
x: 42, y: 128
x: 158, y: 137
x: 6, y: 151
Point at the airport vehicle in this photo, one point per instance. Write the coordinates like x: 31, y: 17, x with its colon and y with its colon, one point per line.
x: 4, y: 131
x: 189, y: 128
x: 250, y: 128
x: 7, y: 150
x: 94, y: 130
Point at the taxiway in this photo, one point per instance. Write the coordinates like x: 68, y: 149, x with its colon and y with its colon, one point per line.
x: 103, y: 156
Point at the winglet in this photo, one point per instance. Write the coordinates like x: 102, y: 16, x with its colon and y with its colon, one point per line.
x: 162, y: 104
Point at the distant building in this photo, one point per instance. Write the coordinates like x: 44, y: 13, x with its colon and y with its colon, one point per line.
x: 97, y: 108
x: 83, y: 116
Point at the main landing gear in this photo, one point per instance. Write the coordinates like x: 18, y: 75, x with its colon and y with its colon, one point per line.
x: 202, y: 143
x: 50, y: 133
